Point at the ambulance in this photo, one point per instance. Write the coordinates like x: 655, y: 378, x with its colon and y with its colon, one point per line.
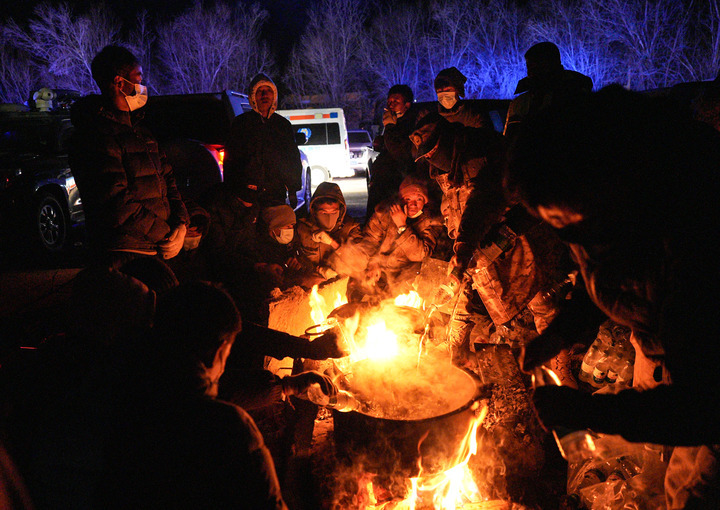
x: 326, y: 141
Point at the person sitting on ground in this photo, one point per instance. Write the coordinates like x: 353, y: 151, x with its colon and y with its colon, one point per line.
x: 280, y: 261
x: 397, y: 238
x: 326, y: 229
x: 171, y: 443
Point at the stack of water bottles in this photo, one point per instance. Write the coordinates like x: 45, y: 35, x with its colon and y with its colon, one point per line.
x: 610, y: 359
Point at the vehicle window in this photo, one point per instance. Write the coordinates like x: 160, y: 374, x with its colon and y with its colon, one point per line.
x: 320, y: 134
x: 359, y: 137
x: 21, y: 138
x: 333, y: 133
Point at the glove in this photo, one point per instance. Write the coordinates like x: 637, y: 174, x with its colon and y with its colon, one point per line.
x: 292, y: 198
x: 297, y: 384
x: 326, y: 346
x: 389, y: 117
x: 322, y: 237
x: 563, y: 406
x: 540, y: 349
x: 173, y: 243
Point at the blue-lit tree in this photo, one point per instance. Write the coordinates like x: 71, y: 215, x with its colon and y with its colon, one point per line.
x: 209, y: 49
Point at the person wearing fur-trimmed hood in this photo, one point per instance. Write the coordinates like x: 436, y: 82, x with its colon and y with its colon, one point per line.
x: 261, y: 157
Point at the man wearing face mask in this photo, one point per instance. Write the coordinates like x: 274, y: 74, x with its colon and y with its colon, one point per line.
x: 397, y: 238
x: 132, y: 205
x: 394, y: 160
x: 326, y: 230
x: 261, y: 154
x: 450, y: 88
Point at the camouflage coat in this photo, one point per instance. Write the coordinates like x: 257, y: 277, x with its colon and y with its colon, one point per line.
x: 467, y: 166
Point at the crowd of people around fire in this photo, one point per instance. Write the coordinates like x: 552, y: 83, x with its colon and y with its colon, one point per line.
x: 589, y: 206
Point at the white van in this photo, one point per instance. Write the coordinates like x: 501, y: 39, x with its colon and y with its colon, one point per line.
x: 326, y: 144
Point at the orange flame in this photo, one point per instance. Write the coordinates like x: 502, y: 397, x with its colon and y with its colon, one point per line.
x: 411, y: 299
x: 451, y: 489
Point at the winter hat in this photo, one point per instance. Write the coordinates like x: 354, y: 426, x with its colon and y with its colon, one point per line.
x: 257, y: 82
x: 451, y: 77
x: 278, y: 216
x: 411, y: 185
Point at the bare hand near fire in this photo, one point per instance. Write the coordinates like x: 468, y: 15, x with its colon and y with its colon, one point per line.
x: 296, y: 384
x: 398, y: 215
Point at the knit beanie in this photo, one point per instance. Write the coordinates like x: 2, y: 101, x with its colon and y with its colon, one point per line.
x: 412, y: 184
x: 278, y: 216
x: 451, y: 77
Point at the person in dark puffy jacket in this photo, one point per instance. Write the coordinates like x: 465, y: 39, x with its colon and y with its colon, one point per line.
x: 132, y: 205
x: 261, y: 154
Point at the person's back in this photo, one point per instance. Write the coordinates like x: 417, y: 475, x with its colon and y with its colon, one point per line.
x: 261, y: 154
x: 547, y: 85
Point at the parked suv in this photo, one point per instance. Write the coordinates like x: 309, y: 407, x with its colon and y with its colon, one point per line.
x: 39, y: 200
x: 361, y: 150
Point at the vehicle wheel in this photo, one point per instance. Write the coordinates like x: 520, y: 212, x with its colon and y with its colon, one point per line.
x: 51, y: 220
x: 319, y: 175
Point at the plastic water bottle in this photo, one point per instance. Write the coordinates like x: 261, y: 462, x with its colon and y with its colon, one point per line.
x: 603, y: 341
x: 342, y: 401
x: 576, y: 446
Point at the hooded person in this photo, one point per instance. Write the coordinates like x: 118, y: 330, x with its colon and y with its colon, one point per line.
x: 261, y: 156
x: 449, y: 86
x: 400, y: 234
x: 279, y: 257
x: 326, y: 230
x: 547, y: 84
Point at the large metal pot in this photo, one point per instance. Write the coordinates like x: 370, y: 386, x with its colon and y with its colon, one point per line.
x: 392, y: 446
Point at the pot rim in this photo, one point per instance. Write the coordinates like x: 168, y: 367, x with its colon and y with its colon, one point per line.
x: 477, y: 396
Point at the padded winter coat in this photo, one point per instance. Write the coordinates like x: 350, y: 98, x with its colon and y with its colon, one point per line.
x: 128, y: 190
x: 261, y: 155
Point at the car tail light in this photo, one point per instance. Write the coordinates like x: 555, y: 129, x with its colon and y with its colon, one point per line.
x: 218, y: 152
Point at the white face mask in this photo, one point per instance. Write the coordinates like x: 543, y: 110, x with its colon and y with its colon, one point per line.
x: 139, y: 98
x: 447, y: 99
x: 327, y: 221
x: 286, y: 235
